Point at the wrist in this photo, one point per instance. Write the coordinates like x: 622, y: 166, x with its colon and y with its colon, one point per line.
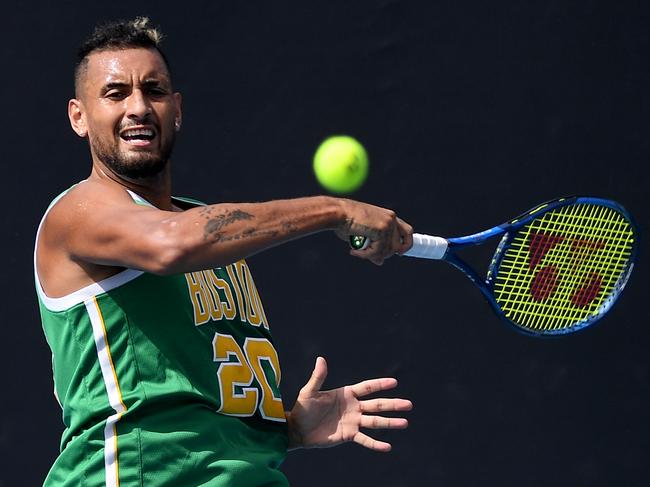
x: 335, y: 211
x: 295, y: 439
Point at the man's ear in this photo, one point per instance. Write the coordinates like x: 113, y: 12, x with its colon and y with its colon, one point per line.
x: 77, y: 117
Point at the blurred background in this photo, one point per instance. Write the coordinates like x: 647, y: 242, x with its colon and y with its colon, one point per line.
x: 471, y: 112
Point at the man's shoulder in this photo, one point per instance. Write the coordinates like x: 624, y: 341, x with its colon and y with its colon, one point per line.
x: 89, y: 192
x: 84, y: 198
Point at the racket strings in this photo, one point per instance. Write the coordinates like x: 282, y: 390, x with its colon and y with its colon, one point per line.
x: 581, y: 271
x: 562, y: 268
x: 570, y: 270
x: 572, y: 273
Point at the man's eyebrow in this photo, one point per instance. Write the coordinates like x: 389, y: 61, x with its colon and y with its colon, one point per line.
x: 154, y: 82
x: 113, y: 85
x: 149, y: 82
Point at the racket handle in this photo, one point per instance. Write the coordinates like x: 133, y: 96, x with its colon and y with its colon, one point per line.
x: 427, y: 247
x: 424, y: 246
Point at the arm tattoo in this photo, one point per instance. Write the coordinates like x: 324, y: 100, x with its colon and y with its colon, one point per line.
x: 215, y: 223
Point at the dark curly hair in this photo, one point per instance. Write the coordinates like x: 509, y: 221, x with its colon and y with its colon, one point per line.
x: 120, y: 34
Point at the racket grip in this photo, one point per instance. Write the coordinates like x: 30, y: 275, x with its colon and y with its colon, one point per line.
x: 424, y: 246
x: 427, y: 247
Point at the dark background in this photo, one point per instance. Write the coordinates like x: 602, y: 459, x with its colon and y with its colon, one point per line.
x: 471, y: 112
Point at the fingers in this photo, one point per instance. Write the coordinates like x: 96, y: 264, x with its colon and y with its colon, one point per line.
x: 387, y: 234
x: 406, y: 236
x: 373, y: 421
x: 386, y: 244
x: 383, y: 404
x: 380, y: 422
x: 370, y: 443
x: 317, y: 378
x: 371, y: 386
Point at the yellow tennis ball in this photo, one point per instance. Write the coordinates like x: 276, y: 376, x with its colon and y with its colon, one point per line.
x: 341, y: 164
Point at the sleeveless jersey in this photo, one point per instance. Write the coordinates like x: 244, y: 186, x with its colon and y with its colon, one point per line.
x: 166, y: 381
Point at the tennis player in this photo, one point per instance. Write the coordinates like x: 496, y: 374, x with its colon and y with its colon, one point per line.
x: 163, y: 360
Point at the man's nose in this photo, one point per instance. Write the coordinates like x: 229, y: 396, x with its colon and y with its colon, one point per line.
x: 138, y: 105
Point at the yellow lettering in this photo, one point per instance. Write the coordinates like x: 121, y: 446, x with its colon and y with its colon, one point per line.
x: 258, y: 300
x: 228, y: 308
x: 245, y: 277
x: 238, y: 293
x: 207, y: 301
x: 259, y: 350
x: 238, y: 398
x: 198, y: 296
x: 256, y: 315
x: 215, y: 302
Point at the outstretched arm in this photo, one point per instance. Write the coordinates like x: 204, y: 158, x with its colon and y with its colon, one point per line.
x: 99, y: 224
x: 321, y: 419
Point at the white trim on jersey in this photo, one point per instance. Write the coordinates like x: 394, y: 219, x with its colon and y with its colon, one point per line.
x: 112, y: 389
x: 88, y: 292
x: 111, y: 464
x: 139, y: 199
x: 94, y: 289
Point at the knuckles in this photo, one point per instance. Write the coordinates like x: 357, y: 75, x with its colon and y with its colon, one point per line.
x: 388, y: 233
x: 388, y: 222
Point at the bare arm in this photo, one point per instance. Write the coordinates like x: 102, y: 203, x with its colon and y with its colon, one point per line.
x: 102, y: 226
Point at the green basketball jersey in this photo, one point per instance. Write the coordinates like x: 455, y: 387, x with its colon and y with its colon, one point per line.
x: 166, y: 381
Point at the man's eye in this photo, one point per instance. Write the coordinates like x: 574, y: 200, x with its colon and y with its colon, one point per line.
x: 157, y: 91
x: 115, y: 95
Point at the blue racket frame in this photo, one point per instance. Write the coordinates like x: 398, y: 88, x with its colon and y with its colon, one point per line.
x: 508, y: 230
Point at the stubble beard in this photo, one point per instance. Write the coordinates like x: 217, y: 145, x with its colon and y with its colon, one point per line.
x: 134, y: 165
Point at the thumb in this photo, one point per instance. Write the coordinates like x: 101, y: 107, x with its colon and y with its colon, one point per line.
x: 318, y: 376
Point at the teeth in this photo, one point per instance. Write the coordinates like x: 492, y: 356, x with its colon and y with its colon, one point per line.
x: 136, y: 132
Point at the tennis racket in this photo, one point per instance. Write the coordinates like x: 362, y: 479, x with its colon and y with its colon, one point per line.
x: 557, y: 269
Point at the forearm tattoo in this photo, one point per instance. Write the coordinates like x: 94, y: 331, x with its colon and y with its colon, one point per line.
x: 215, y: 228
x: 216, y: 222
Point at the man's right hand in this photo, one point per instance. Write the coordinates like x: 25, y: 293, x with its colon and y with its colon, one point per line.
x: 387, y: 234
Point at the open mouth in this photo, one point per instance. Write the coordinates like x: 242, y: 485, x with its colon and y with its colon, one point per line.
x: 139, y: 136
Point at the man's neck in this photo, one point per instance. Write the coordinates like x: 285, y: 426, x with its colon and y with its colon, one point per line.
x: 156, y: 189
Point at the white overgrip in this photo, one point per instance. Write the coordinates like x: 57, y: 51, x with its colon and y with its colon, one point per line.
x: 427, y: 247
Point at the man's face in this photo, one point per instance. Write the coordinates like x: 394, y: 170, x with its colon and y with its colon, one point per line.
x: 129, y: 111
